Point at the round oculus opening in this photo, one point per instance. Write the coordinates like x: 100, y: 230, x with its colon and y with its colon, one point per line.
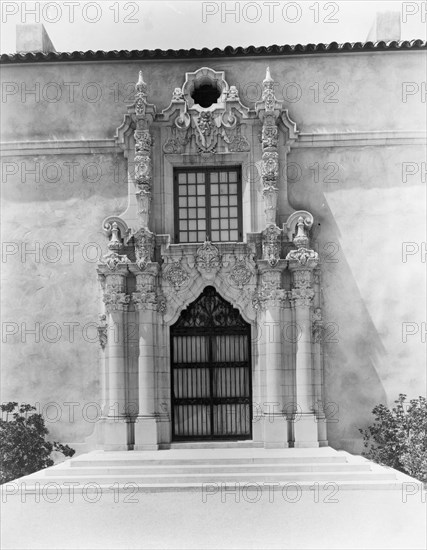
x: 205, y: 95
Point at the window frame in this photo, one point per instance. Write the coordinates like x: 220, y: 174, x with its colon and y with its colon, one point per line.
x: 207, y: 170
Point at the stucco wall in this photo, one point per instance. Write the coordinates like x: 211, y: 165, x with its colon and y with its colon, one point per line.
x: 364, y: 213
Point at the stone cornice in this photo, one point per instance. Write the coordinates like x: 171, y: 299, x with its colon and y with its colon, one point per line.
x: 305, y: 140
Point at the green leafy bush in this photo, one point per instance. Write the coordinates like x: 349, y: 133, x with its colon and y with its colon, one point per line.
x: 23, y: 447
x: 398, y: 437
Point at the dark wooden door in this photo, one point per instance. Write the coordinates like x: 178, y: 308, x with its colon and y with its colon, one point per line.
x: 211, y: 372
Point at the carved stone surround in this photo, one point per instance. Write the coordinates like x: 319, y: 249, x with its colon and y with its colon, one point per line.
x: 252, y: 274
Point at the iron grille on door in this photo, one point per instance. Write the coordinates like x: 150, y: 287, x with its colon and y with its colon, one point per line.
x: 211, y: 372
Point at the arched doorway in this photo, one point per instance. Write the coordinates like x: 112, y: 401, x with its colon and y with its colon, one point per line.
x: 211, y: 372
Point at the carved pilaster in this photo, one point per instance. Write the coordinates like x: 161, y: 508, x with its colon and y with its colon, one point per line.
x: 269, y: 109
x: 143, y: 116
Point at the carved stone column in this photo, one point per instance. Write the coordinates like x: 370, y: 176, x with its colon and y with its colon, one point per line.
x: 302, y: 263
x: 116, y: 302
x: 147, y: 305
x: 269, y: 300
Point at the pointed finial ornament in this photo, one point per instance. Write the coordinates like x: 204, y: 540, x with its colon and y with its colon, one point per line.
x: 268, y: 76
x: 141, y: 86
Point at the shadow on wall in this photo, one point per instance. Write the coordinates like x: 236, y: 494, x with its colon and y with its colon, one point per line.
x: 352, y: 346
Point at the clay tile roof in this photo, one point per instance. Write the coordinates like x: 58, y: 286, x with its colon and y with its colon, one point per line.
x: 228, y: 51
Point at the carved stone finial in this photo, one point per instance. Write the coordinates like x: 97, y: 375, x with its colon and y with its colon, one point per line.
x: 233, y: 94
x: 301, y: 239
x: 115, y: 242
x: 141, y: 86
x: 268, y: 76
x: 177, y: 95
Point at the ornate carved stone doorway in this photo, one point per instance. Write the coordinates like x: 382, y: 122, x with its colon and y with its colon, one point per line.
x: 211, y: 372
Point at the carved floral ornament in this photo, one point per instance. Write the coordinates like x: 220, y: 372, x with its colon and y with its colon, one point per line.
x: 208, y: 260
x: 102, y: 329
x: 176, y: 275
x: 241, y: 274
x: 271, y: 244
x: 301, y: 297
x: 317, y: 325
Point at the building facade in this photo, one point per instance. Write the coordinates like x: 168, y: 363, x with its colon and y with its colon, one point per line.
x: 253, y: 209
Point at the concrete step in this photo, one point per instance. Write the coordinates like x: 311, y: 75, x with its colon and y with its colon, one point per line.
x: 138, y: 461
x: 101, y: 477
x: 199, y: 469
x: 206, y: 469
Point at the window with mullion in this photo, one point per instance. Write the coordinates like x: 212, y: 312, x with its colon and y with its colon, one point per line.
x: 208, y: 204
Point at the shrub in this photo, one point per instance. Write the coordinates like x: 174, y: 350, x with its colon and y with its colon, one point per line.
x: 24, y: 449
x: 398, y: 437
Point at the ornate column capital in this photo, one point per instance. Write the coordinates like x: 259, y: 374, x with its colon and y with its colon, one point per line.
x: 115, y: 297
x: 301, y: 297
x: 145, y: 297
x: 269, y: 292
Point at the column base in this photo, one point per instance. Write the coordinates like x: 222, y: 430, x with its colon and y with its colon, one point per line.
x: 305, y: 433
x: 146, y: 433
x: 115, y: 434
x: 275, y: 431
